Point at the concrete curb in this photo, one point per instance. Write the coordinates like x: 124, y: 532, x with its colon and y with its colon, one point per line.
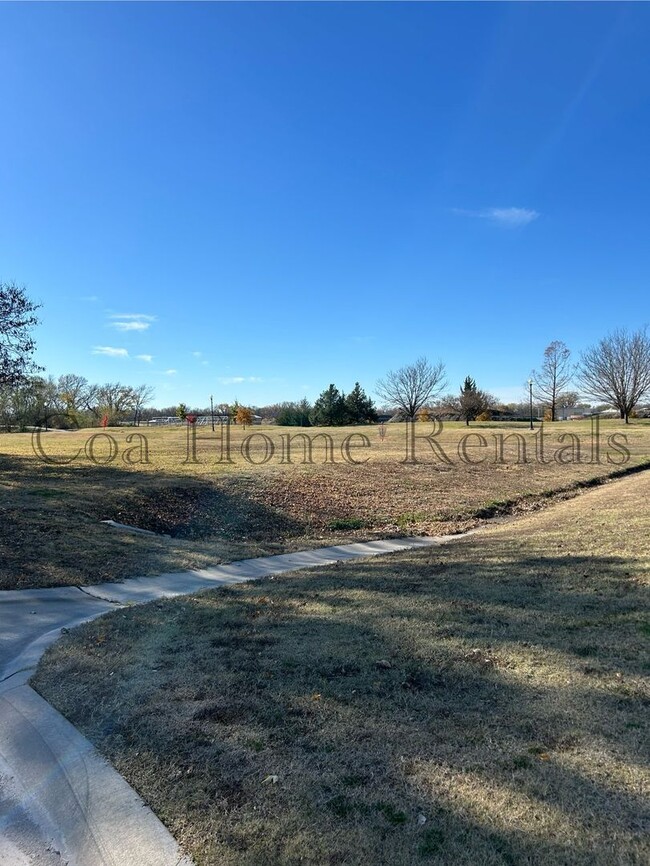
x: 60, y: 802
x: 80, y: 803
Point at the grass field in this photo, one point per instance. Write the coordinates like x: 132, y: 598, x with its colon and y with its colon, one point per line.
x: 51, y: 510
x: 485, y: 702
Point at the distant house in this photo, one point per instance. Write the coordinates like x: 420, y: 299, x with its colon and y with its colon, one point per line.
x: 168, y: 420
x: 200, y: 420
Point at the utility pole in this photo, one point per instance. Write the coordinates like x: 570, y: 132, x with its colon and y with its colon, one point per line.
x: 212, y: 412
x: 530, y: 386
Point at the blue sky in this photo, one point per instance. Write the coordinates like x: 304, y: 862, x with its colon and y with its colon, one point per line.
x: 254, y: 200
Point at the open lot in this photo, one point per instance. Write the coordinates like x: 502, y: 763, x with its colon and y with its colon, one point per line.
x: 51, y: 509
x: 484, y: 702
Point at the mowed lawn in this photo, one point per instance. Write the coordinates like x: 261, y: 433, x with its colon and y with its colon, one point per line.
x: 482, y: 702
x: 267, y: 500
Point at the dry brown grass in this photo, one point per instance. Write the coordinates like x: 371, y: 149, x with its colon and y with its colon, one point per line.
x: 51, y: 534
x: 485, y: 702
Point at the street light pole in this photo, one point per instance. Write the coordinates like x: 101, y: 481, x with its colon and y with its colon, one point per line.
x: 530, y: 390
x: 212, y: 412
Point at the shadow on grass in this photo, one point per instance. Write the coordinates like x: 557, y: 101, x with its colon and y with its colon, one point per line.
x: 389, y: 712
x: 491, y: 604
x: 51, y: 531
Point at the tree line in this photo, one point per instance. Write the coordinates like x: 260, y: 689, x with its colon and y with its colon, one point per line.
x: 614, y: 371
x: 69, y: 402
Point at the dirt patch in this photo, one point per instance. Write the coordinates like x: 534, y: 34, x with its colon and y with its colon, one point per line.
x: 199, y: 511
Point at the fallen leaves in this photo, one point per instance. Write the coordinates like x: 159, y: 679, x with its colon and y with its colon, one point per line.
x: 480, y: 657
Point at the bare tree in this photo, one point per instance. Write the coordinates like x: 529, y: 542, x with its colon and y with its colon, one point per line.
x: 16, y: 343
x: 73, y: 390
x: 112, y: 400
x: 616, y: 370
x: 554, y: 375
x: 141, y: 395
x: 567, y: 400
x: 411, y: 387
x: 75, y: 396
x: 446, y: 406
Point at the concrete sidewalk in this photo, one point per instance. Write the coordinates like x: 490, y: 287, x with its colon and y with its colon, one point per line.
x: 60, y: 802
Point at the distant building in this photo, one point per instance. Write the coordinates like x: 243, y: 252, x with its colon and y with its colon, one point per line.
x: 201, y: 420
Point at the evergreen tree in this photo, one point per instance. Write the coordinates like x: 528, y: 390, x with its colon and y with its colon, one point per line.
x: 303, y: 410
x: 360, y: 408
x: 473, y: 402
x: 294, y: 414
x: 330, y: 409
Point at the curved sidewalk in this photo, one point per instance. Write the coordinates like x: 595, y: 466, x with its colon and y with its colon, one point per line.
x: 60, y: 802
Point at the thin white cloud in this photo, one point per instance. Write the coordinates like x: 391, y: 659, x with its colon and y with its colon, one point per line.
x: 147, y: 358
x: 110, y: 352
x: 131, y: 325
x: 238, y: 380
x: 135, y: 316
x: 512, y: 216
x: 508, y: 217
x: 125, y: 322
x: 170, y: 372
x: 90, y: 298
x: 200, y: 358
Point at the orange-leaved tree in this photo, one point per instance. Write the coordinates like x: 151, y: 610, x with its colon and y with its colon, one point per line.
x: 244, y: 416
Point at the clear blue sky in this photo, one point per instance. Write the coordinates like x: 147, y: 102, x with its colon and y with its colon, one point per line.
x: 256, y: 200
